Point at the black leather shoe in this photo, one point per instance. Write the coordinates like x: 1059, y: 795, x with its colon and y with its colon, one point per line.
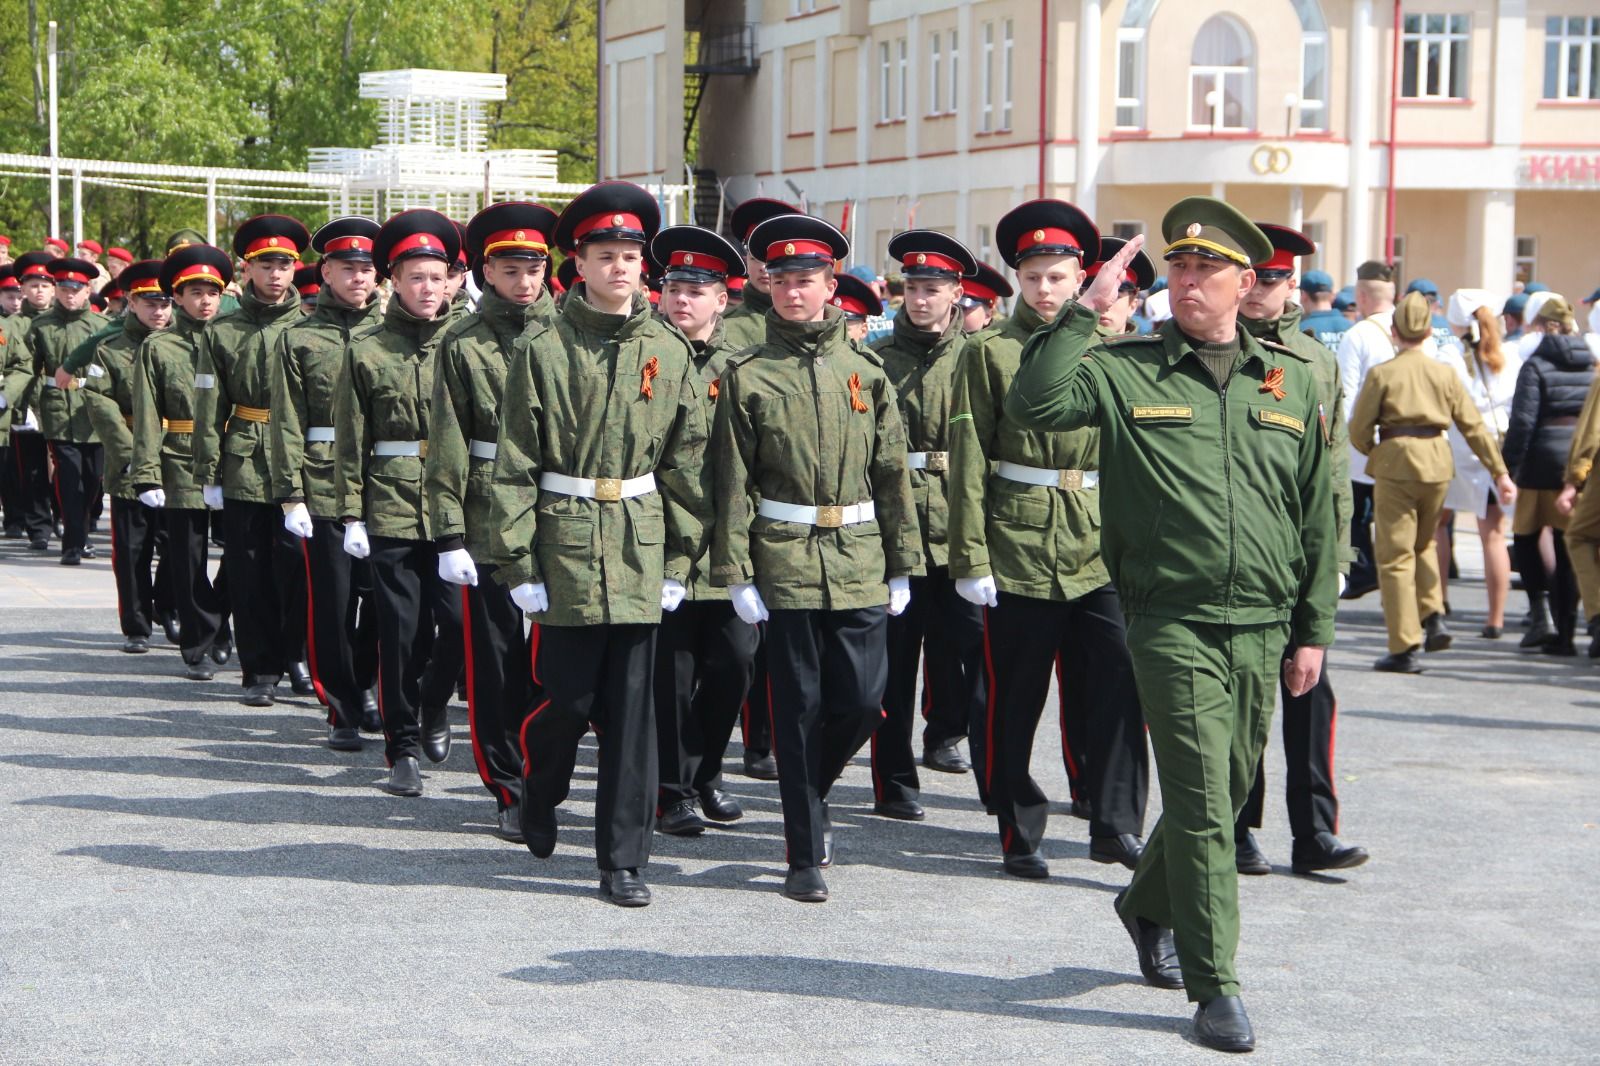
x: 343, y: 738
x: 39, y: 545
x: 1248, y: 858
x: 625, y: 888
x: 1221, y: 1025
x: 200, y: 671
x: 71, y: 558
x: 1400, y: 662
x: 538, y: 825
x: 760, y: 767
x: 508, y: 824
x: 719, y: 806
x: 136, y: 645
x: 171, y: 627
x: 946, y: 758
x: 1492, y: 632
x: 1436, y: 635
x: 222, y: 650
x: 1158, y: 956
x: 680, y: 819
x: 827, y: 838
x: 805, y: 885
x: 1030, y: 865
x: 371, y: 718
x: 300, y: 680
x: 904, y: 810
x: 436, y: 733
x: 405, y: 779
x: 1356, y: 591
x: 1558, y: 646
x: 1124, y: 848
x: 258, y: 695
x: 1325, y: 852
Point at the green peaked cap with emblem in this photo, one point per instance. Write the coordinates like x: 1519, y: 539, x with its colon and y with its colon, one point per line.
x: 1202, y: 225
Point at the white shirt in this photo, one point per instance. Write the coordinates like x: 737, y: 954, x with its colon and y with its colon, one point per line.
x: 1363, y: 346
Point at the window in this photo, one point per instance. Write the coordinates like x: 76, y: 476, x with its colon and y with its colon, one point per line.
x: 1314, y: 81
x: 1127, y: 230
x: 884, y: 114
x: 1130, y: 78
x: 1433, y: 57
x: 801, y: 103
x: 802, y: 7
x: 985, y: 244
x: 987, y: 122
x: 955, y: 73
x: 1222, y: 91
x: 1006, y: 68
x: 935, y: 86
x: 900, y: 109
x: 1572, y: 58
x: 1527, y: 265
x: 1399, y: 264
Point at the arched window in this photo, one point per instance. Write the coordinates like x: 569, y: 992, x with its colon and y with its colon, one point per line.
x: 1222, y: 76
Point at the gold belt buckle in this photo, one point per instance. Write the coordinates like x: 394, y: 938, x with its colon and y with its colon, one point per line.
x: 938, y: 462
x: 830, y: 516
x: 1070, y: 480
x: 608, y: 489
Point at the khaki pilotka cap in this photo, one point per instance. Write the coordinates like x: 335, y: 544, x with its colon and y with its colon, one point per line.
x: 1202, y: 225
x: 1557, y: 310
x: 1413, y: 318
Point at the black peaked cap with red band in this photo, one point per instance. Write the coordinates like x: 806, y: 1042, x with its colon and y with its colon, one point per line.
x: 1046, y: 227
x: 8, y: 276
x: 68, y: 269
x: 986, y: 285
x: 695, y: 254
x: 797, y: 242
x: 349, y: 237
x: 515, y: 229
x: 926, y: 253
x: 1287, y: 244
x: 195, y: 262
x: 420, y: 231
x: 751, y: 213
x: 142, y: 278
x: 855, y: 298
x: 1141, y: 269
x: 308, y: 280
x: 34, y: 265
x: 270, y: 235
x: 567, y: 273
x: 462, y: 259
x: 609, y: 211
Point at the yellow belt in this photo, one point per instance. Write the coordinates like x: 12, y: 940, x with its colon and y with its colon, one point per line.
x: 178, y: 425
x: 252, y: 414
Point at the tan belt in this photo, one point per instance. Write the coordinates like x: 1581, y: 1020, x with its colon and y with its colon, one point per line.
x: 1390, y: 432
x: 259, y: 415
x: 128, y: 421
x: 178, y: 425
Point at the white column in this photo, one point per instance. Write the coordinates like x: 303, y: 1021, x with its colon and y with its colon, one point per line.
x: 779, y: 122
x: 652, y: 165
x: 966, y: 226
x: 822, y: 107
x: 55, y: 141
x: 1088, y: 131
x: 1363, y: 99
x: 211, y: 209
x: 1297, y: 208
x: 861, y: 218
x: 1510, y: 31
x: 1491, y: 239
x: 612, y: 142
x: 913, y: 100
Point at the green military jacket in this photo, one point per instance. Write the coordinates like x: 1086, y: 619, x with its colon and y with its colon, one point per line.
x: 62, y: 413
x: 108, y: 392
x: 596, y: 395
x: 383, y: 395
x: 807, y: 418
x: 1220, y: 508
x: 469, y: 383
x: 1035, y: 540
x: 234, y: 371
x: 922, y: 368
x: 305, y: 382
x: 82, y: 355
x: 1286, y: 331
x: 710, y: 360
x: 746, y: 325
x: 21, y: 387
x: 163, y: 390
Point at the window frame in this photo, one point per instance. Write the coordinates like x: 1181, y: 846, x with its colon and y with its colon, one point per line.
x: 1530, y: 258
x: 1219, y: 74
x: 1421, y: 40
x: 902, y: 69
x: 954, y: 54
x: 1303, y: 120
x: 1564, y: 43
x: 1007, y: 71
x: 1135, y: 38
x: 986, y: 125
x: 884, y: 84
x: 935, y: 79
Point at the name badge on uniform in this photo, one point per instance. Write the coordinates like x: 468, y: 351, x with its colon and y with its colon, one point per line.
x: 96, y: 370
x: 1162, y: 412
x: 1269, y: 416
x: 205, y: 381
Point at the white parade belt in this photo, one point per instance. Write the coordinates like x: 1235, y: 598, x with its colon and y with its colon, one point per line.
x: 604, y: 489
x: 1070, y: 480
x: 828, y: 516
x: 937, y: 462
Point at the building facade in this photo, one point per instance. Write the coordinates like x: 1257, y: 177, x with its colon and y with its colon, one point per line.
x: 1470, y: 137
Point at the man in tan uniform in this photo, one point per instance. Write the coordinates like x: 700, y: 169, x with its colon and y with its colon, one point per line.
x: 1580, y: 499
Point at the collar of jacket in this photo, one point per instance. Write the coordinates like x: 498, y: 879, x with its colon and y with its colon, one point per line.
x: 1274, y: 329
x: 507, y: 317
x: 1564, y: 351
x: 806, y: 337
x: 332, y: 309
x: 582, y: 314
x: 133, y: 329
x: 757, y: 301
x: 258, y: 310
x: 1177, y: 346
x: 1026, y: 319
x: 396, y: 319
x: 908, y: 335
x: 185, y: 324
x: 30, y: 311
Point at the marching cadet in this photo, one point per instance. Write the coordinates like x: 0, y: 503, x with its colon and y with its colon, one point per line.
x: 381, y: 421
x: 1025, y: 542
x: 233, y: 412
x: 63, y: 417
x: 705, y: 653
x: 341, y: 632
x: 162, y: 470
x: 29, y: 453
x: 308, y: 284
x: 1409, y: 402
x: 920, y: 359
x: 980, y: 297
x: 142, y: 597
x: 856, y: 300
x: 510, y: 244
x: 746, y: 324
x: 598, y: 513
x: 1219, y: 535
x: 1308, y: 720
x: 807, y: 423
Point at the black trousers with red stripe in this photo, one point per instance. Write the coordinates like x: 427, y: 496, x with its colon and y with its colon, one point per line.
x: 78, y: 472
x: 501, y: 690
x: 267, y: 588
x: 1308, y: 729
x: 1024, y: 636
x: 1073, y: 711
x: 756, y: 714
x: 942, y: 634
x: 202, y: 604
x: 341, y: 623
x: 705, y: 660
x: 133, y: 550
x: 419, y: 639
x: 598, y: 675
x: 29, y: 472
x: 829, y: 670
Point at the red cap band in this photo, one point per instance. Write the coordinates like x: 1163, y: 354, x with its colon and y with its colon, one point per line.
x: 1282, y: 259
x: 36, y: 270
x: 200, y: 271
x: 528, y: 239
x: 783, y: 249
x: 609, y: 220
x: 1093, y: 271
x: 142, y: 287
x: 698, y: 260
x: 850, y: 305
x: 1047, y: 235
x: 10, y: 282
x: 736, y: 284
x: 309, y: 290
x: 71, y: 275
x: 348, y: 244
x: 417, y: 241
x: 272, y: 246
x: 979, y: 291
x: 931, y: 259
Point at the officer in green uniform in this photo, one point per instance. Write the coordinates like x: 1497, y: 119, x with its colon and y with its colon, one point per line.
x: 940, y: 634
x: 746, y: 324
x: 509, y: 244
x: 807, y: 424
x: 108, y: 392
x: 162, y: 470
x: 63, y: 416
x: 380, y: 434
x: 24, y: 478
x: 341, y: 633
x: 598, y: 513
x: 233, y: 415
x: 1220, y: 538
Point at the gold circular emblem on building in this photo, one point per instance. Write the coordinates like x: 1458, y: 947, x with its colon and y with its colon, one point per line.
x: 1038, y: 234
x: 522, y: 235
x: 616, y: 220
x: 688, y: 259
x: 921, y: 259
x: 788, y: 249
x: 1194, y: 229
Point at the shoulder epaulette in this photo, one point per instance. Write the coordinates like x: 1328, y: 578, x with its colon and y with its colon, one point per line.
x: 1278, y: 346
x: 1133, y: 338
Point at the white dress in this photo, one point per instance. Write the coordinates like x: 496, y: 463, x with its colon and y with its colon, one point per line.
x: 1491, y: 392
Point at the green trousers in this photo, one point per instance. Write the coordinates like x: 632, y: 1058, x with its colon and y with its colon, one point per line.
x: 1208, y: 692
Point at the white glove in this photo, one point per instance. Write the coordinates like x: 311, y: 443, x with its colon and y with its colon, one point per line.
x: 747, y: 604
x: 2, y: 401
x: 672, y: 594
x: 979, y: 591
x: 1342, y: 584
x: 456, y: 567
x: 355, y: 540
x: 213, y: 496
x: 297, y: 520
x: 531, y: 597
x: 153, y: 497
x: 899, y: 595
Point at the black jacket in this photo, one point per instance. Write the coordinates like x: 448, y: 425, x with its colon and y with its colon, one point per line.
x: 1552, y: 384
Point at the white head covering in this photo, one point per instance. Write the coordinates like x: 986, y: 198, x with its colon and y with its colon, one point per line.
x: 1463, y: 302
x: 1531, y: 310
x: 1158, y: 307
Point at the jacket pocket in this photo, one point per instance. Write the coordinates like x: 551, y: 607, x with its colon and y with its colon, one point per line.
x: 1272, y: 418
x: 395, y: 467
x: 562, y: 544
x: 241, y: 445
x: 1024, y: 508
